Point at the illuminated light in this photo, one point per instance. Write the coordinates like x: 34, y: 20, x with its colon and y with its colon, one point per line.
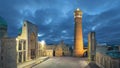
x: 78, y: 9
x: 17, y: 39
x: 43, y: 43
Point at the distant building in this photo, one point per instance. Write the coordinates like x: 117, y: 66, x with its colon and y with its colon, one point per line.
x: 41, y: 48
x: 107, y: 59
x: 59, y: 50
x: 65, y: 49
x: 8, y: 53
x: 50, y: 48
x: 91, y: 46
x: 49, y: 53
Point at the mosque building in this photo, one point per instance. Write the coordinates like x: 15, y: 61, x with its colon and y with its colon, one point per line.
x: 27, y: 42
x: 7, y: 47
x: 19, y: 49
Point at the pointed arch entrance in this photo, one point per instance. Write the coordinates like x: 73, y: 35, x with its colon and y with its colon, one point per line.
x: 32, y: 45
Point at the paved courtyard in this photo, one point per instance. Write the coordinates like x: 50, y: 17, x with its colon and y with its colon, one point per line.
x: 66, y: 62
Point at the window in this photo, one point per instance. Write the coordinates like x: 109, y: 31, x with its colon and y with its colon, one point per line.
x: 20, y: 46
x: 20, y: 57
x: 24, y: 45
x: 24, y: 25
x: 1, y: 57
x: 24, y: 56
x: 2, y: 50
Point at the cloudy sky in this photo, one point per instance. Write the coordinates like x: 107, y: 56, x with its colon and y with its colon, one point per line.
x: 55, y: 18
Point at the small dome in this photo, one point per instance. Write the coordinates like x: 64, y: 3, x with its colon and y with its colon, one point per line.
x: 3, y: 23
x: 20, y: 31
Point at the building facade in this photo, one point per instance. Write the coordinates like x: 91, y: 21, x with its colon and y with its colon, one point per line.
x: 51, y: 48
x: 91, y: 46
x: 78, y: 36
x: 49, y: 53
x: 3, y: 33
x: 21, y: 50
x: 27, y: 40
x: 41, y: 49
x: 65, y: 49
x: 59, y: 50
x: 8, y: 53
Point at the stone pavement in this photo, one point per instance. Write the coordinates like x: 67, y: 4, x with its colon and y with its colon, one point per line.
x: 92, y: 65
x: 66, y: 62
x: 32, y: 63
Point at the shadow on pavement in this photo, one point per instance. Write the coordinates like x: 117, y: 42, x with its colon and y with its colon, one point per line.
x: 92, y: 65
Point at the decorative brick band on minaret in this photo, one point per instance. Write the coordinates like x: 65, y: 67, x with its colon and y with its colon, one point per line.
x: 78, y: 36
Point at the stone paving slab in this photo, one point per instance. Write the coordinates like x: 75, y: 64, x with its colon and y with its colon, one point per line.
x: 32, y: 63
x: 66, y: 62
x: 92, y: 65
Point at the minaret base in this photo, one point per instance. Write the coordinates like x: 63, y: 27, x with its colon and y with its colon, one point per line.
x: 79, y: 53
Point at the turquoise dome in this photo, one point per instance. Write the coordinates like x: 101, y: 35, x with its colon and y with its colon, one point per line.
x: 3, y: 23
x: 20, y: 31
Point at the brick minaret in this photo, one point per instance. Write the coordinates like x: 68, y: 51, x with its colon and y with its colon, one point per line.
x: 78, y: 37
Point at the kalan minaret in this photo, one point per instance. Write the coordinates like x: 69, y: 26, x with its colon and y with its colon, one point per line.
x: 78, y: 36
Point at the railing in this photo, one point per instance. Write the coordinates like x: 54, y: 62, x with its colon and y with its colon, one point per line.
x: 105, y: 61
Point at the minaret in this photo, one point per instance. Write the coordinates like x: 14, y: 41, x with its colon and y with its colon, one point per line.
x: 78, y: 36
x: 91, y: 46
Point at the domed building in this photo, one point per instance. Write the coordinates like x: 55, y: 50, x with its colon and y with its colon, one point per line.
x: 3, y: 28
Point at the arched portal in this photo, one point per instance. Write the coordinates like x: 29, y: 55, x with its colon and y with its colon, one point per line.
x: 32, y: 45
x: 85, y: 54
x: 53, y: 52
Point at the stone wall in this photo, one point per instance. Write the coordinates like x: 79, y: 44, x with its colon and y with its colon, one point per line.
x: 105, y: 61
x: 8, y: 53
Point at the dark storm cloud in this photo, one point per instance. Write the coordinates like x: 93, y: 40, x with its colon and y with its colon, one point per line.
x: 55, y: 19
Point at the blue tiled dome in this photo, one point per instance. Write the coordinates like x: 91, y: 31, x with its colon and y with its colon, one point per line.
x: 3, y: 23
x: 20, y: 31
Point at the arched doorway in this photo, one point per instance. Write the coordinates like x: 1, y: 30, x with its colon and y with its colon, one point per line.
x: 63, y: 54
x: 53, y: 52
x: 85, y: 54
x: 32, y: 45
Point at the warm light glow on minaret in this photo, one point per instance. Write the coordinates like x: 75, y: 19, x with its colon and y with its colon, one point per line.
x: 78, y: 43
